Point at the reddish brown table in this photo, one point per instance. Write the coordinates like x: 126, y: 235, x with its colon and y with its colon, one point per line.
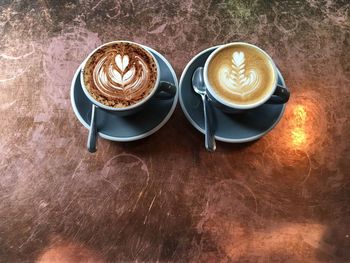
x: 283, y: 198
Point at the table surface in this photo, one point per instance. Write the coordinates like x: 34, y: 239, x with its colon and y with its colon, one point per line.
x: 283, y: 198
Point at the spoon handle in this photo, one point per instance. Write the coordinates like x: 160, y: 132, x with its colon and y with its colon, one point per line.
x: 208, y: 124
x: 91, y: 143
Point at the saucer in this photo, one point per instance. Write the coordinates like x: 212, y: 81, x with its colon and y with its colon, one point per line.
x: 233, y: 128
x: 133, y: 127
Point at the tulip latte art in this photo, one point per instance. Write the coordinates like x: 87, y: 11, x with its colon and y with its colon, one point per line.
x: 120, y: 74
x: 241, y: 74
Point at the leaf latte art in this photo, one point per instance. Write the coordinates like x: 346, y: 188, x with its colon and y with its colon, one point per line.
x: 236, y: 79
x: 241, y: 74
x: 121, y: 74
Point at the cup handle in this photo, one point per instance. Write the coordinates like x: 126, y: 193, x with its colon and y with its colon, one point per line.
x: 166, y: 90
x: 280, y: 96
x: 92, y: 139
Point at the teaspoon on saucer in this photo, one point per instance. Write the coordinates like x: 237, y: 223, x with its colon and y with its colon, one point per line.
x: 199, y: 87
x: 92, y: 139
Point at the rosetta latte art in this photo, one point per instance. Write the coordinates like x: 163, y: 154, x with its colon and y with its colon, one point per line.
x: 236, y: 78
x: 120, y: 75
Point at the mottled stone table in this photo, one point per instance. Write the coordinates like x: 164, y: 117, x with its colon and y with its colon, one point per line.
x: 283, y: 198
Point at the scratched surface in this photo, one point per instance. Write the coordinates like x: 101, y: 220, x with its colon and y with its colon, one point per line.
x: 284, y: 198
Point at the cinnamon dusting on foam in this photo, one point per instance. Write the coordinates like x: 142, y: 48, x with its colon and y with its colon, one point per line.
x: 120, y: 74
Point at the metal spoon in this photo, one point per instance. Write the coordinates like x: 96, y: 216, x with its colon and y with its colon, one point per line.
x: 199, y: 87
x: 92, y: 139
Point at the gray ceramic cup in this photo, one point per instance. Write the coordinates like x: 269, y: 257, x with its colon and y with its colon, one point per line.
x: 161, y: 90
x: 277, y: 95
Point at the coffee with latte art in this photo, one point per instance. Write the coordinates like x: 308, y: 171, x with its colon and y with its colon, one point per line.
x: 241, y: 74
x: 120, y: 74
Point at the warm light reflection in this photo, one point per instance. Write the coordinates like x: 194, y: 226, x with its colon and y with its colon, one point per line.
x: 298, y: 136
x: 298, y: 133
x: 304, y: 125
x: 300, y: 114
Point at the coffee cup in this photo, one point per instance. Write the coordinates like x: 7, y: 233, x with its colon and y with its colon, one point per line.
x: 121, y: 77
x: 241, y: 76
x: 120, y: 82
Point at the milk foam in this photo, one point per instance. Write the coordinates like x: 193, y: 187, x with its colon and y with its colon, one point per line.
x: 116, y: 75
x: 235, y: 78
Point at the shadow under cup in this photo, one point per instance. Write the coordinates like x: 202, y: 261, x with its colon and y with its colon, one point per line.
x: 279, y: 94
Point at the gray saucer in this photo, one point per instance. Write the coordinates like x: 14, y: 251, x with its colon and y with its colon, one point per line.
x: 233, y: 128
x: 133, y: 127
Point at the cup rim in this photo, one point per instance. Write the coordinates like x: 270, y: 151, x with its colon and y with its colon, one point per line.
x: 222, y: 100
x: 133, y: 106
